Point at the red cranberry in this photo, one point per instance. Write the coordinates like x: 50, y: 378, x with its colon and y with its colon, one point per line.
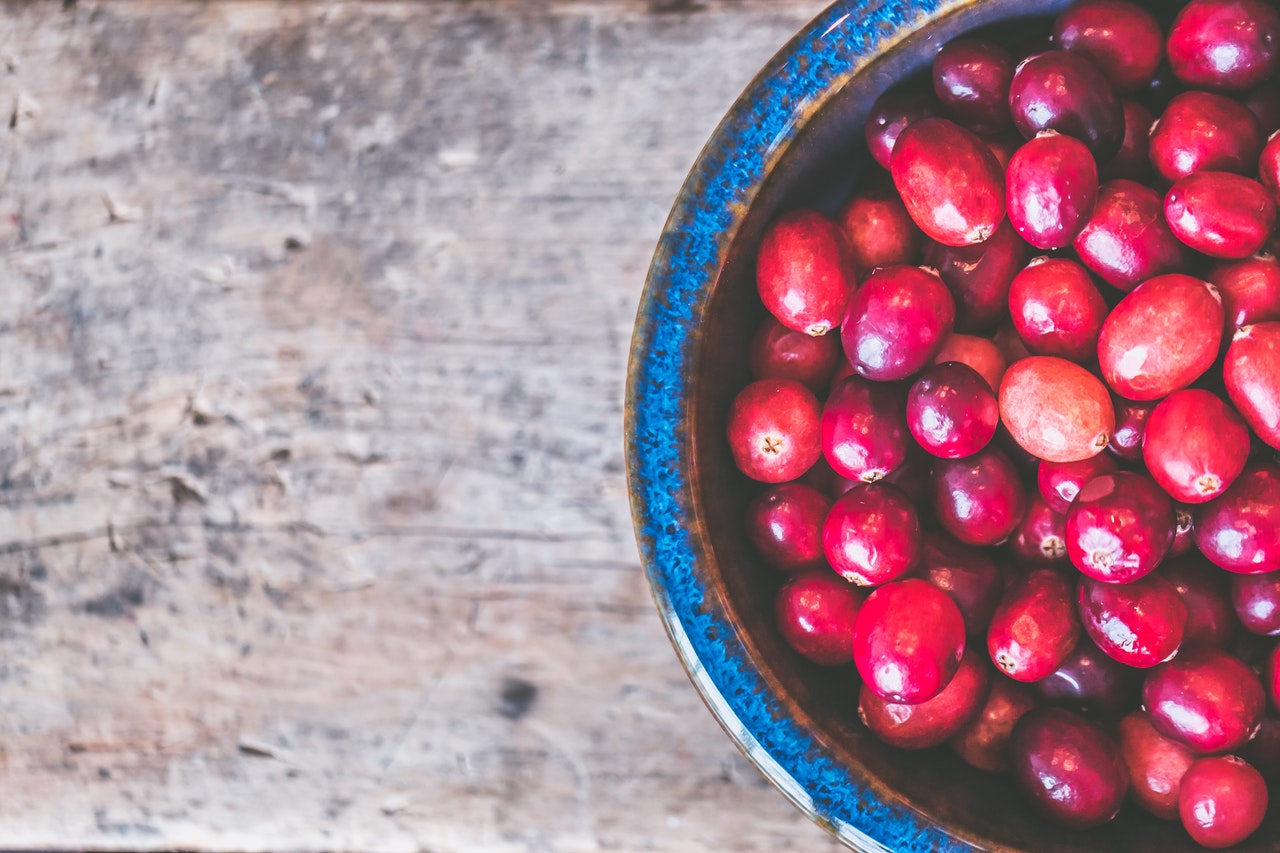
x: 979, y: 276
x: 933, y: 721
x: 1138, y: 624
x: 1201, y: 131
x: 1240, y: 531
x: 1055, y: 409
x: 1040, y: 538
x: 804, y: 272
x: 971, y: 78
x: 864, y: 433
x: 1250, y: 291
x: 1122, y: 39
x: 1131, y: 427
x: 979, y: 353
x: 1035, y: 626
x: 1252, y: 376
x: 908, y: 638
x: 880, y: 231
x: 1195, y: 445
x: 815, y: 612
x: 1156, y: 765
x: 967, y: 574
x: 950, y: 181
x: 1222, y: 801
x: 1134, y: 159
x: 1220, y: 214
x: 774, y: 430
x: 872, y: 535
x: 984, y: 741
x: 890, y: 115
x: 1119, y: 527
x: 784, y: 523
x: 896, y: 322
x: 1225, y: 44
x: 979, y: 499
x: 1269, y: 166
x: 952, y: 411
x: 1205, y: 698
x: 1256, y: 599
x: 1126, y: 241
x: 1057, y: 309
x: 1070, y: 767
x: 1050, y: 188
x: 1161, y: 337
x: 1060, y: 482
x: 1090, y: 682
x: 780, y: 353
x: 1211, y: 619
x: 1062, y: 91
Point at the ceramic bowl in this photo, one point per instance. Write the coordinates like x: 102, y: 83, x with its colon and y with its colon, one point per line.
x: 793, y: 138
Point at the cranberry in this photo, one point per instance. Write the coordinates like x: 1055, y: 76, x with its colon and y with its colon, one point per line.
x: 815, y: 612
x: 1060, y: 482
x: 1240, y: 531
x: 1069, y: 767
x: 979, y: 276
x: 1256, y: 599
x: 1252, y: 376
x: 804, y: 272
x: 1206, y: 698
x: 933, y: 721
x: 1156, y: 764
x: 1138, y: 624
x: 1211, y: 619
x: 890, y: 115
x: 1040, y: 538
x: 1195, y: 445
x: 1250, y: 291
x: 1003, y: 145
x: 1263, y: 752
x: 1057, y: 309
x: 1050, y: 188
x: 864, y: 433
x: 1035, y: 626
x: 979, y: 353
x: 872, y: 535
x: 1161, y: 337
x: 1131, y: 427
x: 1184, y: 531
x: 979, y: 499
x: 908, y: 638
x: 984, y: 741
x: 1271, y: 672
x: 1010, y: 345
x: 774, y: 431
x: 1133, y: 161
x: 1200, y: 131
x: 1126, y: 241
x: 1063, y: 91
x: 968, y: 575
x: 1220, y: 214
x: 1122, y: 39
x: 1225, y: 44
x: 880, y: 231
x: 1269, y: 166
x: 952, y: 411
x: 1222, y: 801
x: 1091, y: 682
x: 784, y: 523
x: 950, y: 181
x: 971, y: 78
x: 780, y: 353
x: 1119, y: 527
x: 1056, y: 409
x: 896, y: 322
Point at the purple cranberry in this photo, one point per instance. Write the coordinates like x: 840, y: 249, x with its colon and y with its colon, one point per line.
x: 892, y: 113
x: 979, y: 499
x: 1060, y: 482
x: 1090, y: 682
x: 1069, y: 767
x: 979, y: 276
x: 1063, y: 91
x: 784, y: 523
x: 1211, y: 619
x: 971, y: 78
x: 968, y: 575
x: 952, y: 411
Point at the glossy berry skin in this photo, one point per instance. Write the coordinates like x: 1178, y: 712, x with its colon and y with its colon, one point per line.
x: 774, y: 430
x: 896, y: 322
x: 863, y: 432
x: 1269, y: 166
x: 933, y: 721
x: 978, y: 499
x: 1222, y: 801
x: 1090, y: 682
x: 1069, y: 767
x: 1256, y: 599
x: 1156, y: 765
x: 1060, y: 482
x: 1194, y: 445
x: 1252, y: 376
x: 890, y: 115
x: 972, y: 579
x: 979, y: 276
x: 1057, y: 309
x: 1119, y: 527
x: 949, y: 180
x: 1035, y: 626
x: 1139, y: 624
x: 1131, y: 427
x: 971, y: 79
x: 1220, y: 214
x: 978, y: 353
x: 814, y: 612
x: 1240, y: 531
x: 1161, y: 337
x: 983, y: 742
x: 1184, y: 531
x: 1225, y: 44
x: 1204, y: 131
x: 1064, y: 91
x: 880, y: 231
x: 1126, y: 240
x: 1055, y: 409
x: 1122, y: 39
x: 952, y: 411
x: 1205, y: 698
x: 1250, y: 291
x: 780, y: 353
x: 908, y: 638
x: 1211, y: 619
x: 804, y: 272
x: 1050, y: 188
x: 872, y: 535
x: 1040, y: 538
x: 784, y: 523
x: 1133, y: 161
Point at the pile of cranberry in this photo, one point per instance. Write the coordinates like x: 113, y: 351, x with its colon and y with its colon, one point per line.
x: 1018, y: 404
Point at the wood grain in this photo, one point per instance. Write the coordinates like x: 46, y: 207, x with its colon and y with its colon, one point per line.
x: 313, y: 521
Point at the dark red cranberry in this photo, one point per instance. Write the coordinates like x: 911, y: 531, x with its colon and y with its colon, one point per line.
x: 890, y: 114
x: 908, y: 638
x: 1240, y: 531
x: 1010, y: 345
x: 1133, y: 161
x: 1126, y: 241
x: 933, y: 721
x: 1090, y: 682
x: 815, y: 612
x: 1119, y: 527
x: 1225, y: 44
x: 896, y: 322
x: 1263, y: 752
x: 1256, y: 599
x: 952, y: 411
x: 774, y: 430
x: 1250, y: 291
x: 784, y: 523
x: 979, y: 499
x: 1156, y: 765
x: 1138, y: 623
x: 780, y: 353
x: 1161, y: 337
x: 950, y: 181
x: 864, y: 433
x: 1269, y: 166
x: 1202, y: 131
x: 1252, y: 377
x: 1211, y: 620
x: 971, y: 78
x: 1060, y: 482
x: 1220, y: 214
x: 1055, y: 409
x: 872, y: 535
x: 1195, y: 445
x: 1040, y: 538
x: 979, y: 353
x: 804, y: 272
x: 1050, y: 187
x: 1184, y: 531
x: 1035, y: 626
x: 1131, y: 426
x: 1264, y: 102
x: 979, y: 276
x: 913, y: 476
x: 1069, y: 767
x: 1057, y: 309
x: 1003, y: 145
x: 1271, y: 674
x: 968, y: 575
x: 984, y: 741
x: 880, y: 231
x: 1206, y: 698
x: 1122, y: 39
x: 1063, y: 91
x: 1222, y: 801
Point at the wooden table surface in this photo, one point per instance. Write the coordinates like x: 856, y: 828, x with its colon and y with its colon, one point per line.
x: 314, y: 530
